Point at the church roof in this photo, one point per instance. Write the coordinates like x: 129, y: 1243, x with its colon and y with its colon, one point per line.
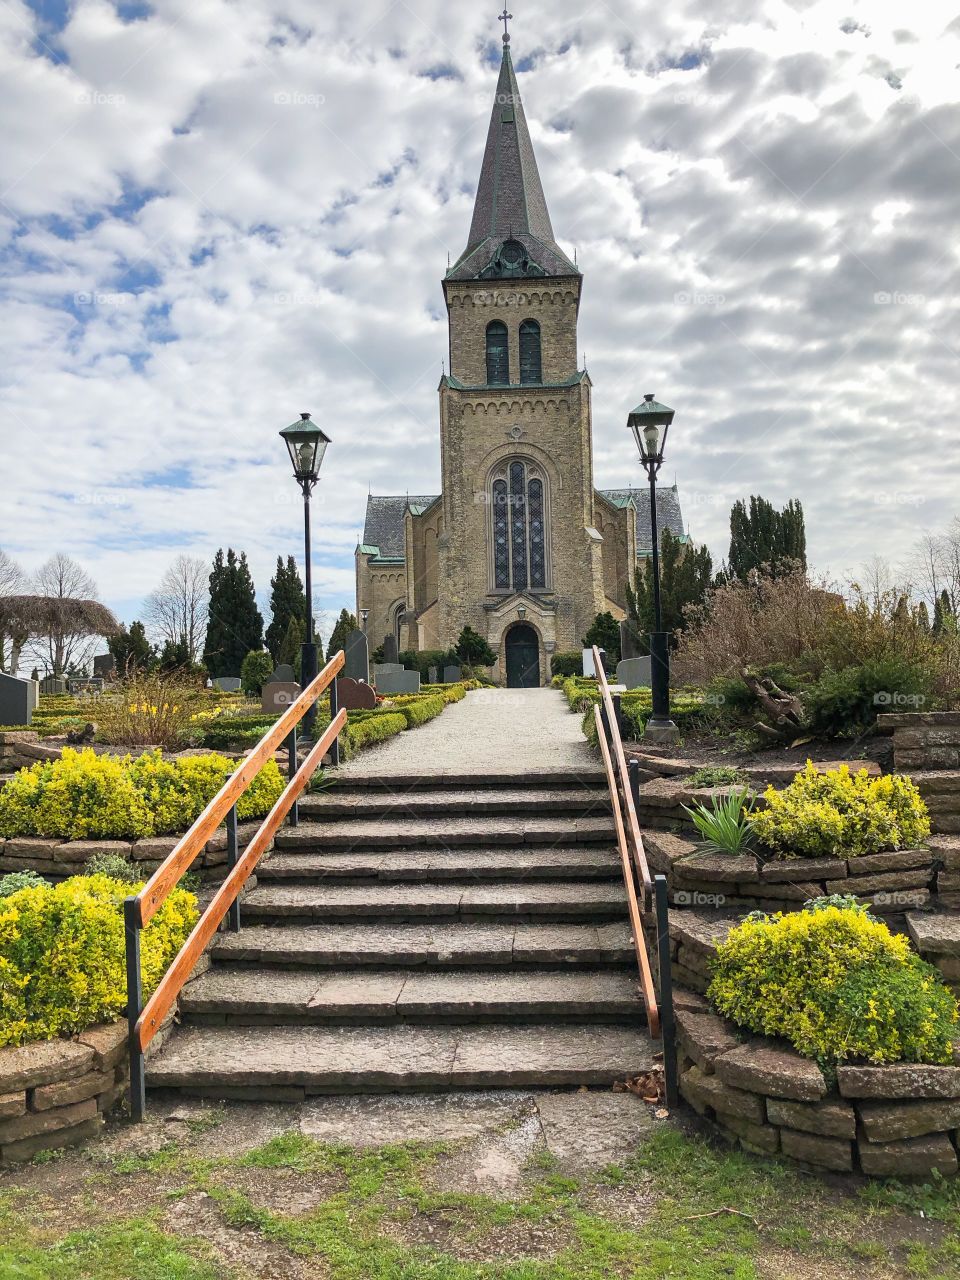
x: 669, y: 515
x: 383, y: 526
x: 510, y: 204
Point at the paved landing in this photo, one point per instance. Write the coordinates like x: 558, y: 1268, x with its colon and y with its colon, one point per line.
x: 513, y: 731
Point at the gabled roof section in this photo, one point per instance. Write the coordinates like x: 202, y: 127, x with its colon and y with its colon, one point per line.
x: 511, y: 233
x: 383, y: 526
x: 669, y: 515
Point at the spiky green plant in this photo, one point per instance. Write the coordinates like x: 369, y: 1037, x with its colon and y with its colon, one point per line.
x: 724, y: 826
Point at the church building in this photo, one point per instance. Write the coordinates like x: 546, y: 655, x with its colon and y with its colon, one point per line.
x: 519, y: 544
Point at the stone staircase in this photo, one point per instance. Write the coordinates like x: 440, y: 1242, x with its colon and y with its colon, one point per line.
x: 445, y: 932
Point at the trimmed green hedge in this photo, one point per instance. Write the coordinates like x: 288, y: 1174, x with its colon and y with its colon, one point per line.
x: 371, y: 729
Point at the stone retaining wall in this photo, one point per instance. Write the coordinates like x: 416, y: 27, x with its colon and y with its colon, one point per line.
x: 923, y: 739
x: 899, y: 1121
x: 20, y: 748
x: 892, y: 883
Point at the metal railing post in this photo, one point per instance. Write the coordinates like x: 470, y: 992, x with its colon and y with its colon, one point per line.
x: 291, y: 770
x: 667, y: 1024
x: 233, y: 852
x: 334, y: 708
x: 138, y: 1087
x: 633, y: 769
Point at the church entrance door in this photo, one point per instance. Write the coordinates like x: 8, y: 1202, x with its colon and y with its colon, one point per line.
x: 523, y: 657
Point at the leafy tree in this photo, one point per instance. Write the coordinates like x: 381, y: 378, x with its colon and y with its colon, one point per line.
x: 291, y: 649
x: 255, y: 670
x: 686, y: 574
x: 287, y: 602
x: 604, y: 632
x: 234, y: 623
x: 131, y: 650
x: 345, y: 624
x: 762, y: 537
x: 472, y: 650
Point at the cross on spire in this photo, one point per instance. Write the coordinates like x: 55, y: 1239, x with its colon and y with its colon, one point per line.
x: 504, y: 18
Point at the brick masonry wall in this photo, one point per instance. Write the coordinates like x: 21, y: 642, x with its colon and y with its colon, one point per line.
x: 924, y: 739
x: 898, y: 1120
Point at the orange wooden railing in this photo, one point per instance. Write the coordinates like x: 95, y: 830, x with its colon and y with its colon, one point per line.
x: 144, y: 1021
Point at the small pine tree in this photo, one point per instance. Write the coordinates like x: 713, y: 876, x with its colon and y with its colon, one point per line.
x: 291, y: 648
x: 472, y: 650
x: 255, y: 670
x: 921, y: 617
x: 686, y: 574
x: 943, y: 619
x: 287, y: 602
x: 345, y: 624
x: 604, y: 632
x: 131, y: 650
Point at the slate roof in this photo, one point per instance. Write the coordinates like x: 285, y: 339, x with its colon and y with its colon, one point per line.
x: 383, y: 526
x: 510, y: 202
x: 669, y: 515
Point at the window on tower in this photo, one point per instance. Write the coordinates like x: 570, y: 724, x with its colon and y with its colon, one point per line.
x: 530, y: 365
x: 498, y: 360
x: 519, y: 526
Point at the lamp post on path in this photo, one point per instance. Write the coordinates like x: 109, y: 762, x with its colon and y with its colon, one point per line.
x: 646, y: 421
x: 307, y: 444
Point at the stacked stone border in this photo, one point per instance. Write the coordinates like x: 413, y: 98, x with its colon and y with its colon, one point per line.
x: 923, y: 739
x: 900, y: 1120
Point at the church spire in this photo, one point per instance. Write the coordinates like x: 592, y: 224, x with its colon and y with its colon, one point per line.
x: 511, y: 233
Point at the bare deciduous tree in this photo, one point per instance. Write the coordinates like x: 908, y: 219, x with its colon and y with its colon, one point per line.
x: 937, y: 564
x: 177, y: 608
x: 60, y: 648
x: 13, y: 581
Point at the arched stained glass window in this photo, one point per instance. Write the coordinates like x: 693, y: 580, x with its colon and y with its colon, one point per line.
x: 498, y: 358
x: 519, y: 527
x: 530, y: 365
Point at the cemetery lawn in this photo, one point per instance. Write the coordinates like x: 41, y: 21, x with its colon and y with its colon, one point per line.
x: 205, y: 1195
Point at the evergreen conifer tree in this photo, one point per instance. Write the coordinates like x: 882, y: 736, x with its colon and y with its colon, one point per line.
x: 287, y: 601
x: 345, y: 624
x: 234, y: 623
x: 763, y: 538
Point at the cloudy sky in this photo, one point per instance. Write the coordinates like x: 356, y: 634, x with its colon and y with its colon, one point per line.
x: 216, y: 215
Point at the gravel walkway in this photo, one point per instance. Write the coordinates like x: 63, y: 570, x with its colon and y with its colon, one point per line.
x: 513, y: 731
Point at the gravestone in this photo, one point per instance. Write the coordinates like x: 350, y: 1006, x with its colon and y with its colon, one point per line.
x: 277, y: 695
x: 227, y: 684
x: 385, y: 668
x: 84, y: 684
x: 399, y: 682
x: 629, y: 645
x: 634, y: 673
x: 104, y: 666
x: 53, y: 685
x: 451, y: 674
x: 355, y: 695
x: 432, y: 675
x: 588, y: 667
x: 390, y: 651
x: 18, y: 699
x: 356, y: 657
x: 284, y: 674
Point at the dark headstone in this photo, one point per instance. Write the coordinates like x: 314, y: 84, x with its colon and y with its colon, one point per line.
x: 451, y: 675
x: 276, y: 696
x: 390, y: 651
x: 284, y: 674
x: 629, y: 645
x: 354, y: 695
x: 104, y: 666
x: 18, y: 699
x: 53, y: 685
x: 399, y: 682
x: 356, y: 664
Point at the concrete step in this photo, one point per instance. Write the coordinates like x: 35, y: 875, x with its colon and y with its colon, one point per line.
x: 432, y: 945
x: 558, y: 900
x: 533, y: 862
x: 237, y: 995
x: 285, y: 1063
x: 450, y: 801
x: 440, y: 832
x: 535, y: 777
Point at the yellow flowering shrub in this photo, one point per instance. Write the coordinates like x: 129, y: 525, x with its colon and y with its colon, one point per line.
x: 837, y: 984
x: 62, y: 963
x: 839, y: 812
x: 84, y: 795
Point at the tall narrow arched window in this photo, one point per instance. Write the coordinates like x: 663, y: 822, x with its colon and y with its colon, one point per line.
x: 530, y: 364
x: 519, y: 524
x: 498, y: 359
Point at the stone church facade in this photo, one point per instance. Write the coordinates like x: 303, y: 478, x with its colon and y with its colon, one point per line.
x: 519, y: 544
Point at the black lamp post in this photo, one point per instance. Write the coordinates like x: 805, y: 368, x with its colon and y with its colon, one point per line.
x: 307, y: 444
x: 646, y: 421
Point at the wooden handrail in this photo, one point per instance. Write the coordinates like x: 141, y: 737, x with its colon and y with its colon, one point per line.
x: 647, y: 988
x: 172, y: 982
x: 616, y: 742
x: 167, y: 876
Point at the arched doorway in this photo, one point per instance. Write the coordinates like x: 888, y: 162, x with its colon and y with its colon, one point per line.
x: 523, y: 657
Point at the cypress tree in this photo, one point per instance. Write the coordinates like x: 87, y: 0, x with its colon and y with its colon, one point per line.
x: 234, y: 624
x: 345, y: 624
x: 287, y: 602
x: 943, y: 619
x: 763, y: 538
x: 686, y: 574
x: 290, y: 650
x: 131, y: 650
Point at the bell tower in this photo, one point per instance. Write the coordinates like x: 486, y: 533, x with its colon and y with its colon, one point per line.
x: 519, y: 554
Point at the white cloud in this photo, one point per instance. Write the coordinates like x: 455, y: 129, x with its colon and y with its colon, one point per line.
x: 217, y: 216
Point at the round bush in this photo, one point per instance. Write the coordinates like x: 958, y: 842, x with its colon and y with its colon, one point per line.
x: 62, y: 963
x: 837, y: 812
x: 837, y: 984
